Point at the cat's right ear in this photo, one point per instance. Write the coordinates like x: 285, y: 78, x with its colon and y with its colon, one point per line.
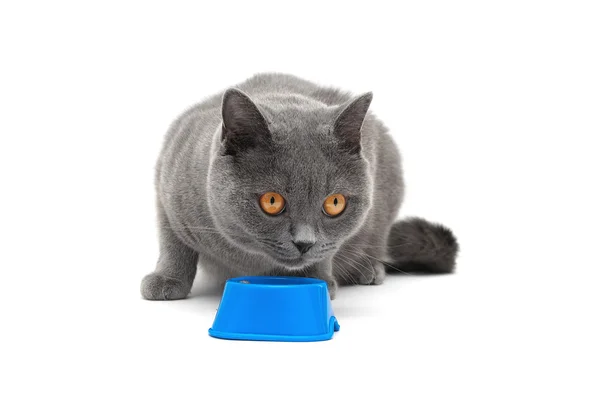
x: 244, y: 126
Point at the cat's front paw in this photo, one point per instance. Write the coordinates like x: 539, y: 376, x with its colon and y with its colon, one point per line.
x: 374, y: 275
x: 161, y: 287
x: 332, y: 287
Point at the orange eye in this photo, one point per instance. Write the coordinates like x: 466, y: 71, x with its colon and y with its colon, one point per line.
x: 334, y: 205
x: 272, y: 203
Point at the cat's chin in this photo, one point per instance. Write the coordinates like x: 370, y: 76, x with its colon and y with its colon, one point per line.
x: 295, y: 264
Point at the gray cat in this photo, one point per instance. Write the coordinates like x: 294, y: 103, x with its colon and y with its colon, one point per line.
x: 279, y: 176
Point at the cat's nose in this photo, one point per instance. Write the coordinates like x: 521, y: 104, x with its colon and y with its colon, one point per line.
x: 303, y: 247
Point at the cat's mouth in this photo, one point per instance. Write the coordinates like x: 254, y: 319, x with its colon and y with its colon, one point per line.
x: 298, y: 262
x: 295, y: 263
x: 292, y: 258
x: 292, y: 261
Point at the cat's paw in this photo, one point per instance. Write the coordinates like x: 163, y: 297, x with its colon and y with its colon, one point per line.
x: 332, y: 287
x: 373, y: 275
x: 160, y: 287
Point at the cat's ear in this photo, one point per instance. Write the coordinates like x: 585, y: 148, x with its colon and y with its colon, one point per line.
x: 244, y: 126
x: 349, y: 122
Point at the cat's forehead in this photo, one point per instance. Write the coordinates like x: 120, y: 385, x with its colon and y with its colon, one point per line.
x: 302, y: 166
x: 290, y: 118
x: 301, y: 179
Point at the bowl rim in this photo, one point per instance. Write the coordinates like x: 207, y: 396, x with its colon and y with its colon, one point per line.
x: 276, y: 281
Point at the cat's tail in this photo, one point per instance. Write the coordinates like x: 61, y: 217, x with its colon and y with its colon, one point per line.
x: 417, y: 245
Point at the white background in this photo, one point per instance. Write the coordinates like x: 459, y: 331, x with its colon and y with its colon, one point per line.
x: 494, y: 105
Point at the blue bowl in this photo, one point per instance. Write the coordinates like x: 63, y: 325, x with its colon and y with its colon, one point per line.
x: 284, y: 309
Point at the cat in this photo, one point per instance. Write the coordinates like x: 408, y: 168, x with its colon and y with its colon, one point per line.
x: 280, y: 176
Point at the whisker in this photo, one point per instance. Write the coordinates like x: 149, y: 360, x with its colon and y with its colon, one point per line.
x: 362, y: 256
x: 262, y: 239
x: 347, y: 275
x: 377, y: 259
x: 351, y: 264
x: 191, y: 229
x: 374, y: 246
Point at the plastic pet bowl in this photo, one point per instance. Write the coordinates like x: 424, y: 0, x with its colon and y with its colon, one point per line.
x: 284, y: 309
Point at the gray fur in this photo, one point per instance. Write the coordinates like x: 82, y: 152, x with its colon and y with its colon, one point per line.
x: 417, y: 245
x: 279, y: 133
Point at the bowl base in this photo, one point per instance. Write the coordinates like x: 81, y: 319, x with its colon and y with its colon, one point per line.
x: 333, y: 327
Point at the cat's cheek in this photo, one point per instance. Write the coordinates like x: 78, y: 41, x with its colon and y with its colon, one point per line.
x: 353, y: 214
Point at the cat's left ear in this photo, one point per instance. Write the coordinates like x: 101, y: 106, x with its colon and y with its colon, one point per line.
x: 348, y: 124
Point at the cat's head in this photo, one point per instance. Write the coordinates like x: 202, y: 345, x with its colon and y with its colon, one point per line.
x: 289, y: 179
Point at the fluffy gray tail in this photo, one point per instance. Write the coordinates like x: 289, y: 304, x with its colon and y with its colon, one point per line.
x: 416, y: 245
